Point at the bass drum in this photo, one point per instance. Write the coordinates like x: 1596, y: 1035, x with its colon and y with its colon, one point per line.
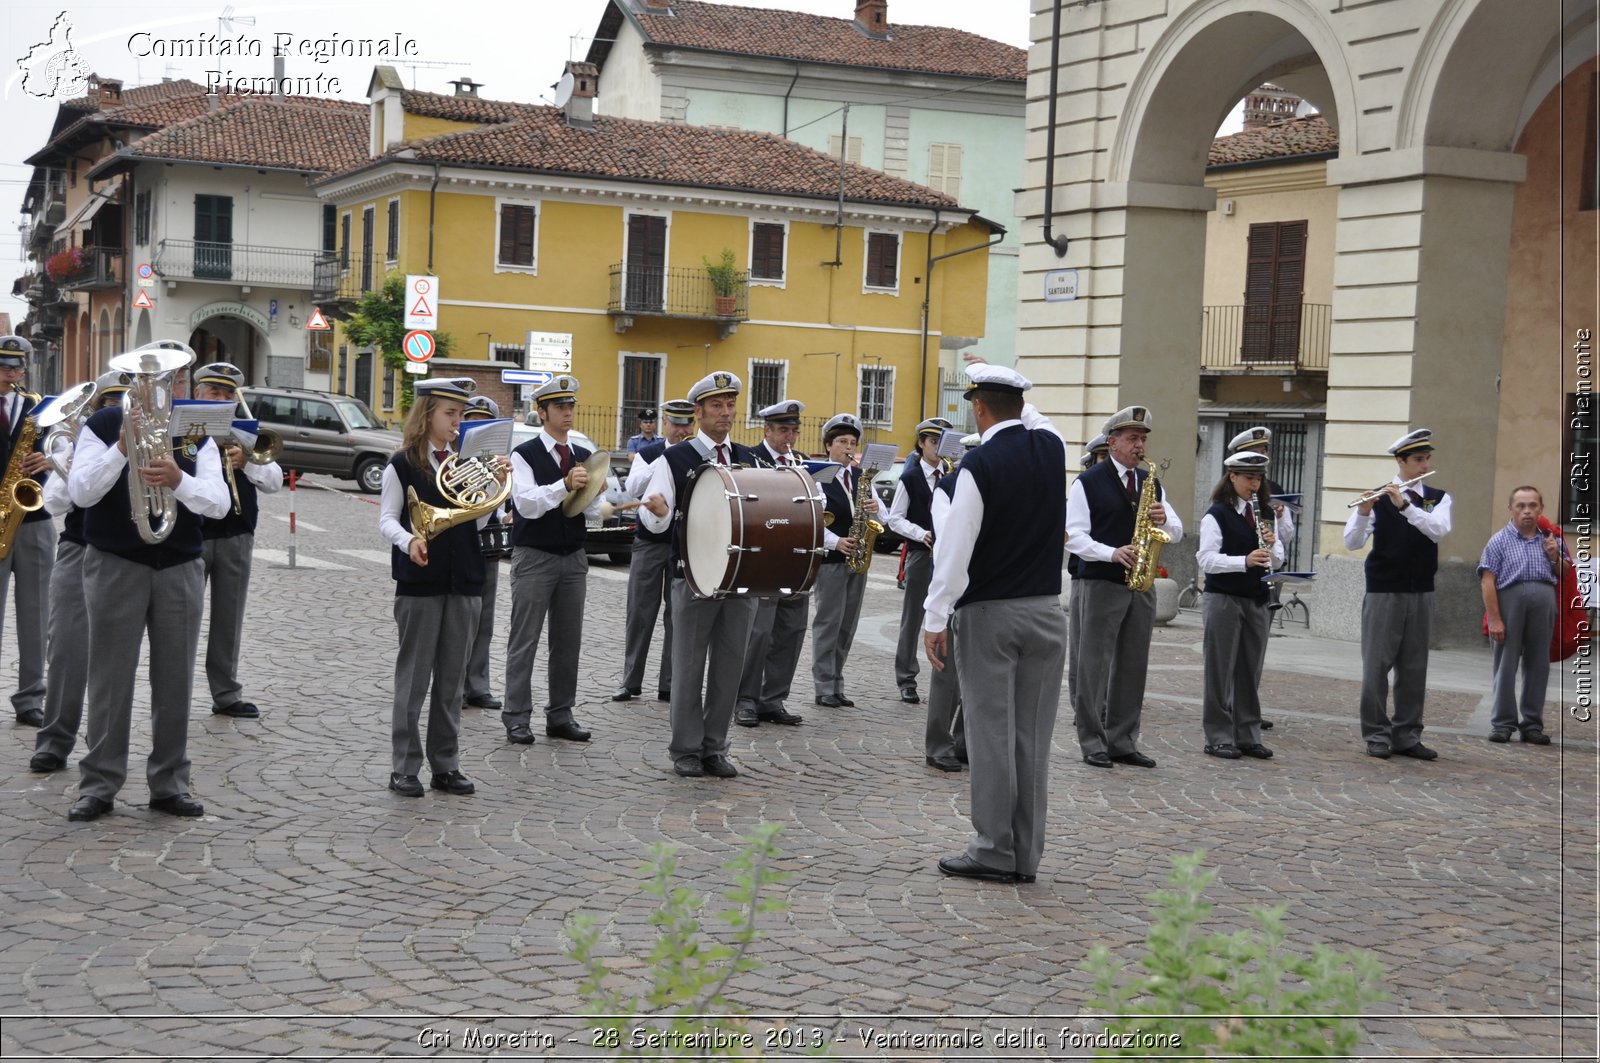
x: 755, y: 532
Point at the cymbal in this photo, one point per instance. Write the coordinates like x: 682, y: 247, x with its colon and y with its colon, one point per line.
x: 598, y: 464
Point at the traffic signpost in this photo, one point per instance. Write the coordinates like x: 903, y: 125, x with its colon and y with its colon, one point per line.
x: 422, y: 302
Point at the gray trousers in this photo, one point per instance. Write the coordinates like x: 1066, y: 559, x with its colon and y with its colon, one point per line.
x: 1113, y: 655
x: 1394, y: 635
x: 776, y: 639
x: 919, y: 573
x: 435, y: 632
x: 32, y: 555
x: 1074, y: 631
x: 67, y: 654
x: 1235, y: 647
x: 838, y: 592
x: 553, y: 586
x: 1011, y: 654
x: 1529, y: 612
x: 227, y: 564
x: 708, y: 650
x: 944, y: 736
x: 125, y: 600
x: 477, y: 684
x: 649, y: 594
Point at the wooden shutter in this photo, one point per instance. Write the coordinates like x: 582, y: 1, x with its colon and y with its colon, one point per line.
x: 392, y: 252
x: 1274, y: 289
x: 854, y: 155
x: 766, y: 258
x: 882, y: 251
x: 516, y: 235
x: 647, y: 261
x: 944, y: 168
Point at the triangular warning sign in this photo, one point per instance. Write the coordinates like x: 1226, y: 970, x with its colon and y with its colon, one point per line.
x: 421, y: 309
x: 142, y: 301
x: 316, y: 322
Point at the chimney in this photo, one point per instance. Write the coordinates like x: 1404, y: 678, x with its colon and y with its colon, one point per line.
x: 465, y: 86
x: 110, y: 93
x: 579, y: 104
x: 211, y: 101
x: 277, y: 75
x: 1269, y: 105
x: 872, y: 17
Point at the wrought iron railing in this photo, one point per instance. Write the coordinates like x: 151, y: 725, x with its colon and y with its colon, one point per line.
x: 664, y: 291
x: 102, y: 268
x: 1241, y: 337
x: 290, y: 267
x: 345, y: 280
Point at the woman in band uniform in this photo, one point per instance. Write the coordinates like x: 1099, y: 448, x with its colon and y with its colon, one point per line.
x: 837, y: 590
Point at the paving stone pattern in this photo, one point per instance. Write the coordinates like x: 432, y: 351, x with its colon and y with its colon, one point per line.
x: 313, y: 913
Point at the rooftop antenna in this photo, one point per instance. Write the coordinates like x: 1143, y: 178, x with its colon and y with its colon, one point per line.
x: 227, y: 20
x: 415, y: 63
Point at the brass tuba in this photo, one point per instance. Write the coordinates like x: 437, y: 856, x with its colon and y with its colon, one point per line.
x: 470, y: 487
x: 19, y: 494
x: 61, y: 423
x: 1147, y: 538
x: 151, y: 372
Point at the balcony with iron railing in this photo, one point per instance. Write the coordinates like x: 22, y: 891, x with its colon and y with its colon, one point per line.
x: 1273, y: 338
x: 675, y: 292
x: 339, y: 281
x: 207, y: 260
x: 90, y: 269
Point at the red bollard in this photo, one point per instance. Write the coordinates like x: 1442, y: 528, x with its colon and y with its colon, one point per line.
x: 294, y: 475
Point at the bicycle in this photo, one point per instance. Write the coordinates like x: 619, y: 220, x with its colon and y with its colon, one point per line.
x: 1190, y: 597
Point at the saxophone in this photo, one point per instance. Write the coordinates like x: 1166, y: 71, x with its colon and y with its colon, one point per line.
x: 864, y: 529
x: 1147, y: 538
x: 19, y: 494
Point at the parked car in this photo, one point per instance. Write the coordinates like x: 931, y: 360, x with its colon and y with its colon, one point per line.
x: 611, y: 535
x: 325, y: 433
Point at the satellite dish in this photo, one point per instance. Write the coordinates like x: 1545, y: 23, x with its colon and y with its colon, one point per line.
x: 564, y: 89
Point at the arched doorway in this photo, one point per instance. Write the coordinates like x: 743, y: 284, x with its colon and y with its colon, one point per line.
x: 141, y: 331
x: 232, y: 332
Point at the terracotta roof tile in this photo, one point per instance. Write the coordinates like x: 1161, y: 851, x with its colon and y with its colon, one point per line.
x: 140, y: 94
x: 461, y: 108
x: 819, y: 39
x: 623, y: 149
x: 258, y: 131
x: 1311, y: 135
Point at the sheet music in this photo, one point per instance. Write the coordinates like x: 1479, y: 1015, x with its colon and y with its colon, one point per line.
x: 246, y: 432
x: 823, y: 472
x: 484, y: 439
x: 878, y: 456
x: 214, y: 419
x: 950, y: 444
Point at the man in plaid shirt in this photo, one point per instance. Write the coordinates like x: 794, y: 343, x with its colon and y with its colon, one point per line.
x: 1519, y: 573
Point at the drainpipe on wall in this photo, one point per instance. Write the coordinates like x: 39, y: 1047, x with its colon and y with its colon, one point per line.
x: 1058, y: 242
x: 432, y: 191
x: 786, y: 93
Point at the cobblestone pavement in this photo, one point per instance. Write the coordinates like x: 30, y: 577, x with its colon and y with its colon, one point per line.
x: 311, y: 912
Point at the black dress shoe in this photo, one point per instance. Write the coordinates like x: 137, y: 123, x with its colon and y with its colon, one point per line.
x: 31, y: 717
x: 625, y: 694
x: 1223, y: 750
x: 828, y: 701
x: 944, y: 763
x: 663, y: 694
x: 780, y: 715
x: 485, y: 701
x: 1136, y: 758
x: 239, y: 710
x: 909, y: 696
x: 179, y: 805
x: 405, y: 785
x: 720, y: 766
x: 964, y: 866
x: 86, y: 808
x: 452, y: 782
x: 1418, y: 752
x: 846, y: 702
x: 1378, y: 749
x: 689, y: 766
x: 1026, y: 878
x: 46, y: 761
x: 569, y: 731
x: 1259, y: 751
x: 1535, y: 738
x: 1266, y: 725
x: 1097, y: 760
x: 519, y: 734
x: 961, y: 755
x: 745, y: 716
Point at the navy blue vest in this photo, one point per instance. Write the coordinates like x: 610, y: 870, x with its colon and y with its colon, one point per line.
x: 919, y: 499
x: 8, y: 442
x: 554, y: 532
x: 72, y: 527
x: 1238, y: 539
x: 1110, y: 516
x: 648, y: 454
x: 836, y: 500
x: 1018, y: 551
x: 1403, y: 560
x: 455, y: 564
x: 682, y: 458
x: 242, y: 522
x: 108, y: 524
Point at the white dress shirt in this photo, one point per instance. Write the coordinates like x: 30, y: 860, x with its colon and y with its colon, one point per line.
x: 533, y: 499
x: 1088, y: 549
x: 57, y: 500
x: 661, y: 482
x: 95, y: 468
x: 1210, y: 556
x: 1435, y: 524
x: 897, y: 520
x: 268, y: 478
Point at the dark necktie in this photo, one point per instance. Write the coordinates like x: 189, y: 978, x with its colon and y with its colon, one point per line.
x: 5, y: 414
x: 440, y: 455
x: 563, y: 457
x: 1249, y: 513
x: 722, y: 454
x: 1133, y: 490
x: 1414, y: 498
x: 936, y: 477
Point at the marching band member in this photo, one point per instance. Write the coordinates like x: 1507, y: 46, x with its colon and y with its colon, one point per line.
x: 476, y: 688
x: 649, y: 572
x: 911, y: 518
x: 997, y: 579
x: 229, y: 546
x: 779, y: 630
x: 1114, y: 646
x: 838, y: 591
x: 67, y: 640
x: 33, y: 549
x: 944, y: 739
x: 710, y: 635
x: 1397, y: 612
x: 1093, y: 454
x: 131, y: 587
x: 437, y: 587
x: 1259, y: 440
x: 1235, y: 553
x: 549, y: 570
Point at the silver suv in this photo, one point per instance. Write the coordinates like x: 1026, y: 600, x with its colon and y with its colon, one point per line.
x: 324, y: 433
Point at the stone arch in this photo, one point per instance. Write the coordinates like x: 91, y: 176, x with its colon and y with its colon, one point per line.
x: 141, y: 331
x: 102, y: 337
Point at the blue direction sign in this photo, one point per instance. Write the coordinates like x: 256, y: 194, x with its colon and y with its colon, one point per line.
x: 419, y: 345
x: 525, y: 376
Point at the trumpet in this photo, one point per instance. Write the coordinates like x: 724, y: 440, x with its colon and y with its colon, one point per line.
x: 1371, y: 496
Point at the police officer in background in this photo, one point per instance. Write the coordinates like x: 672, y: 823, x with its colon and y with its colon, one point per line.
x: 647, y: 432
x: 911, y: 518
x: 34, y: 547
x: 229, y: 547
x: 780, y: 625
x: 476, y: 693
x: 997, y: 579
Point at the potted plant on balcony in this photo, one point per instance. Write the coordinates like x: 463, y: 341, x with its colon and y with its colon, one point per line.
x: 724, y: 283
x: 66, y: 264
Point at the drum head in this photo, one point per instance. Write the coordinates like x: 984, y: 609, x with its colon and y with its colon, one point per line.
x: 708, y: 532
